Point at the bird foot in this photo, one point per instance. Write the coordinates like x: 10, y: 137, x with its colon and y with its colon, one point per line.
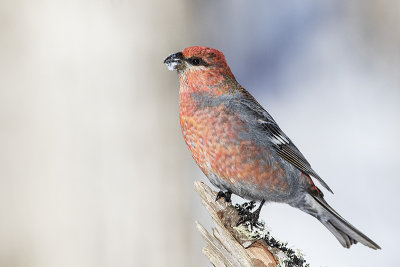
x: 246, y: 216
x: 226, y: 195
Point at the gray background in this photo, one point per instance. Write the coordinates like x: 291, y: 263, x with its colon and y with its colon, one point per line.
x: 93, y: 168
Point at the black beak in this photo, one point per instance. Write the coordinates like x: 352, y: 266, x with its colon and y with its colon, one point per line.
x: 173, y: 57
x: 174, y: 61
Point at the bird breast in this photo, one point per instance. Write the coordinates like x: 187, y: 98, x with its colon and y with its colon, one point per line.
x: 218, y: 140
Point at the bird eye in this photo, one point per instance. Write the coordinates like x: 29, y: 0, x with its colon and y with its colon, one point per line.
x: 195, y: 61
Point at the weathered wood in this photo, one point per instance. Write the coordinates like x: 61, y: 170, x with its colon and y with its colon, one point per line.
x: 229, y: 245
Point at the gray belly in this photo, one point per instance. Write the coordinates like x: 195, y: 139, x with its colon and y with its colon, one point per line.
x: 252, y: 192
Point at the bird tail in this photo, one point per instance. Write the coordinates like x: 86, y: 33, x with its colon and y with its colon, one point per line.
x: 346, y: 233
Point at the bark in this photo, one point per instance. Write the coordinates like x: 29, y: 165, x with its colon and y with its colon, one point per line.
x: 228, y: 245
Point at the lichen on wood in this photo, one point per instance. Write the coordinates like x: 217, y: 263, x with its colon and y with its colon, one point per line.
x: 243, y: 245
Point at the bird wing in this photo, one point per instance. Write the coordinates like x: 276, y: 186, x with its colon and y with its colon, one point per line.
x: 283, y: 146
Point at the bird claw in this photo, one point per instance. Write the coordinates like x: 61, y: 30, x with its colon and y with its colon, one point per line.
x: 247, y: 216
x: 226, y: 195
x: 251, y: 218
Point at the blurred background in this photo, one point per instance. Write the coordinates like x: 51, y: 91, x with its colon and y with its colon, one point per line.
x: 93, y: 167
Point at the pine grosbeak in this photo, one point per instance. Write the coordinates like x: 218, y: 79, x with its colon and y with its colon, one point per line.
x: 240, y: 147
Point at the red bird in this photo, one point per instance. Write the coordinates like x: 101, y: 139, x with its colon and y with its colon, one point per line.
x: 241, y: 148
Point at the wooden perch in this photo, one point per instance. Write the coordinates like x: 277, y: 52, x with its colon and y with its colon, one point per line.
x: 233, y: 246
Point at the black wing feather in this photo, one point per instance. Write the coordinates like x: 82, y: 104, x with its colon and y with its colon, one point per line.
x: 281, y: 142
x: 291, y: 153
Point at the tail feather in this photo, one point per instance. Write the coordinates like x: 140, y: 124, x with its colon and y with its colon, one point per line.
x: 343, y: 238
x: 346, y: 233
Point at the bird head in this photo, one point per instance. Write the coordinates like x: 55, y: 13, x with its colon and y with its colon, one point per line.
x: 198, y: 59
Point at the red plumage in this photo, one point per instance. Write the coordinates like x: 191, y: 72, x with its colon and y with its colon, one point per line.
x: 240, y: 147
